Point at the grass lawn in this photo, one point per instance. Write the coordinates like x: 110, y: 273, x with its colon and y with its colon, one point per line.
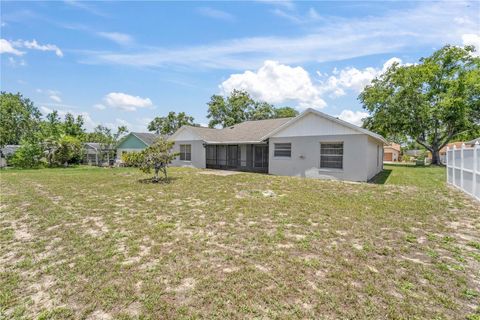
x: 98, y: 244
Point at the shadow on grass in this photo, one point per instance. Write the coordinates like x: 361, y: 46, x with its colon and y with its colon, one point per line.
x: 160, y: 181
x: 382, y: 177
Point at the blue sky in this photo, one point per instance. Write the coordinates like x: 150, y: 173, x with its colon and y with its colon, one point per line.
x: 121, y: 63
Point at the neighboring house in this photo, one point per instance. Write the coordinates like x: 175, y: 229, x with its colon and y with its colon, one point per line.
x: 472, y: 142
x: 135, y: 142
x: 443, y: 151
x: 97, y: 153
x: 312, y: 144
x: 391, y: 152
x: 414, y: 152
x: 6, y: 152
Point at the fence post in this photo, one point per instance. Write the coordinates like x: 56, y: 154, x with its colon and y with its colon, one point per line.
x: 476, y: 169
x: 461, y: 165
x: 448, y: 164
x: 453, y: 164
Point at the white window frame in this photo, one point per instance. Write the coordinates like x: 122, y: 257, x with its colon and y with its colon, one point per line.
x: 342, y: 155
x: 282, y: 149
x: 184, y: 153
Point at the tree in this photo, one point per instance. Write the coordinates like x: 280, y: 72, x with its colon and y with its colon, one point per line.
x: 171, y: 123
x: 260, y: 111
x: 231, y: 110
x: 52, y: 127
x: 156, y: 157
x: 285, y: 112
x: 29, y: 155
x: 19, y: 118
x: 430, y: 102
x: 73, y: 126
x: 240, y: 107
x: 69, y: 150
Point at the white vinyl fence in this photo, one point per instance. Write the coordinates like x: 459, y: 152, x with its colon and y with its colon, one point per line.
x: 463, y: 169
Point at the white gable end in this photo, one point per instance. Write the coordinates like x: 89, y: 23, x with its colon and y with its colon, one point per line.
x: 185, y: 134
x: 314, y: 125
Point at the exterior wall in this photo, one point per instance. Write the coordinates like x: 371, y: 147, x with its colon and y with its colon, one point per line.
x: 305, y: 159
x: 315, y: 125
x: 374, y: 157
x: 130, y: 144
x: 198, y: 154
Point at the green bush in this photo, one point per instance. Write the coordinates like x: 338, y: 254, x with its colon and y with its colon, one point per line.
x: 29, y: 155
x: 132, y: 159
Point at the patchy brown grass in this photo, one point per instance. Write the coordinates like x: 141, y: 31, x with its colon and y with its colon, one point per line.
x: 98, y: 244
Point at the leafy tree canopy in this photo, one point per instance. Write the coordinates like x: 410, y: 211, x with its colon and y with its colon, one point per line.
x: 171, y: 123
x: 240, y: 107
x: 19, y: 118
x: 431, y: 102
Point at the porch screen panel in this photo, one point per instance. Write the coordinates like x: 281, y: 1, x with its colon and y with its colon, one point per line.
x: 331, y: 155
x: 221, y: 155
x: 211, y: 155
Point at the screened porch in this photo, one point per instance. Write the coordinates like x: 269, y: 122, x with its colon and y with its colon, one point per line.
x: 241, y: 157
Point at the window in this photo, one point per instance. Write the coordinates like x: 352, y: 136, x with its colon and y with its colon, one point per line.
x: 282, y: 150
x: 331, y: 155
x: 186, y: 152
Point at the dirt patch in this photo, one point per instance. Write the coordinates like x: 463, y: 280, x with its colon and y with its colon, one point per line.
x: 222, y: 173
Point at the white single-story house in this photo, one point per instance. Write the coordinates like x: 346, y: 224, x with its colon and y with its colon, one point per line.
x: 312, y: 144
x: 135, y: 142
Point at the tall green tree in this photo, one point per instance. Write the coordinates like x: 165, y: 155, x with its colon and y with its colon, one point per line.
x: 285, y: 112
x: 230, y: 110
x: 239, y: 106
x: 73, y: 126
x: 171, y: 123
x: 430, y: 102
x: 19, y: 118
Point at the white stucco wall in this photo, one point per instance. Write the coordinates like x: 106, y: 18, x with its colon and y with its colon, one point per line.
x: 375, y: 157
x: 305, y: 159
x: 198, y: 154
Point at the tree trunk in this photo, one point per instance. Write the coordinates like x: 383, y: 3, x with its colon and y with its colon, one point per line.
x: 436, y: 157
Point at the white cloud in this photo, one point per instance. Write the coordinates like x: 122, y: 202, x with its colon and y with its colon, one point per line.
x: 7, y: 47
x: 126, y: 102
x: 354, y: 79
x: 55, y: 98
x: 16, y: 62
x: 288, y: 4
x: 354, y: 117
x: 216, y: 14
x: 277, y: 83
x: 336, y: 38
x: 36, y: 46
x: 471, y: 39
x: 99, y: 106
x: 117, y: 37
x: 10, y: 47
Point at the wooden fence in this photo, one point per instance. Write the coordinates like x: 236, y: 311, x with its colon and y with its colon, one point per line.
x: 463, y: 169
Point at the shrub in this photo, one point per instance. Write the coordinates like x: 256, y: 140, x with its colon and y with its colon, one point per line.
x: 29, y: 155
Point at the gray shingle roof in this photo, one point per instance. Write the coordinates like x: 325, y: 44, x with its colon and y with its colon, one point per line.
x: 248, y: 131
x: 146, y: 137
